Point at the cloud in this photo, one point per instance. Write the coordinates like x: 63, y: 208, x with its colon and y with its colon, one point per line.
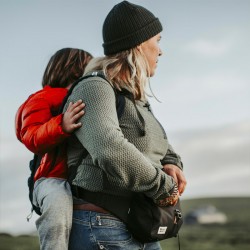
x: 217, y: 43
x: 216, y: 161
x: 197, y: 100
x: 207, y: 85
x: 210, y: 48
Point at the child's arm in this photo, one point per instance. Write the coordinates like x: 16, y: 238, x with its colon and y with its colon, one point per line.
x: 40, y: 131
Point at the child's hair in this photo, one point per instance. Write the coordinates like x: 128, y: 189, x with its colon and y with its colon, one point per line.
x: 65, y: 67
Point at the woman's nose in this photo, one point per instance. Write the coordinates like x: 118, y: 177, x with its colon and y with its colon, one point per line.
x: 160, y: 52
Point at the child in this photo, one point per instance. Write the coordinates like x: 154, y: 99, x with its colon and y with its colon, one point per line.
x: 44, y: 133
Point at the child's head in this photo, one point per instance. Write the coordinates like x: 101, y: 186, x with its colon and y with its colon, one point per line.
x: 65, y: 67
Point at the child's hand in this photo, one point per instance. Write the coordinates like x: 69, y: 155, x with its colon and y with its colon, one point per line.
x: 72, y: 115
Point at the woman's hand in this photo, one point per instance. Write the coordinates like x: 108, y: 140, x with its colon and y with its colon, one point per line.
x: 73, y: 113
x: 177, y: 175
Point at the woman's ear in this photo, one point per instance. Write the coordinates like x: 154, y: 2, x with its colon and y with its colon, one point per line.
x: 139, y: 48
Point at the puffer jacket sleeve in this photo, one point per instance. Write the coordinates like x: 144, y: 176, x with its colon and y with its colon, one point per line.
x: 125, y: 166
x: 36, y: 128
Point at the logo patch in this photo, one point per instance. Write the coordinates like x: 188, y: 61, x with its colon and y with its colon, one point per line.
x: 162, y: 230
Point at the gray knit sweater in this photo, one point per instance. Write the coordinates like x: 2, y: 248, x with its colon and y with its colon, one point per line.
x: 119, y: 159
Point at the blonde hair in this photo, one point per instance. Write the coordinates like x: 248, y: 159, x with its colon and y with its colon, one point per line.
x: 125, y: 70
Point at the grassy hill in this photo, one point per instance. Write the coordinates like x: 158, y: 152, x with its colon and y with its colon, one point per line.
x: 22, y: 242
x: 234, y: 235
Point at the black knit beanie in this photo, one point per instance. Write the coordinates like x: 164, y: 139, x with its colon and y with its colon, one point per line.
x: 128, y: 25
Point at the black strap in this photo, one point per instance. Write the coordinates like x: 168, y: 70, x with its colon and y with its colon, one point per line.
x: 33, y: 165
x: 118, y: 205
x: 70, y: 91
x: 129, y: 95
x: 179, y: 241
x: 120, y: 100
x: 143, y: 131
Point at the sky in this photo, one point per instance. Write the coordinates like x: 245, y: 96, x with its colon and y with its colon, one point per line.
x: 202, y: 82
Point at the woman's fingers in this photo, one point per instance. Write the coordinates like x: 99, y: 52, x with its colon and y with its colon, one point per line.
x: 177, y: 175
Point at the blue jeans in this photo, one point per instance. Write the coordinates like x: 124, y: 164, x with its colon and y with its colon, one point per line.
x: 93, y: 231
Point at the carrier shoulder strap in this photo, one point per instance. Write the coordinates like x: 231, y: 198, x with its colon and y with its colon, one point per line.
x: 119, y: 95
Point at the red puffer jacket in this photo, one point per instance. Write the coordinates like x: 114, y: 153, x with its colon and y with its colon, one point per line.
x: 40, y: 130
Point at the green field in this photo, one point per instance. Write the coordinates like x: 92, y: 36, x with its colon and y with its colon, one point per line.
x: 234, y: 235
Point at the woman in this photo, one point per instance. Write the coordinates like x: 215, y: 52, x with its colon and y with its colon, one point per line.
x: 116, y: 157
x: 44, y: 133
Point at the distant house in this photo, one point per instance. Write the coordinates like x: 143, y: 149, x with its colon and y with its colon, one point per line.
x: 206, y: 214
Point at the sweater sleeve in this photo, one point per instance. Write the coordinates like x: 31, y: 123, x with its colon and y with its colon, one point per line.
x: 172, y: 158
x: 40, y: 131
x: 125, y: 166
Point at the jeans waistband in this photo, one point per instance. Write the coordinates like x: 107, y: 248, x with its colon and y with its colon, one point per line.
x: 90, y: 207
